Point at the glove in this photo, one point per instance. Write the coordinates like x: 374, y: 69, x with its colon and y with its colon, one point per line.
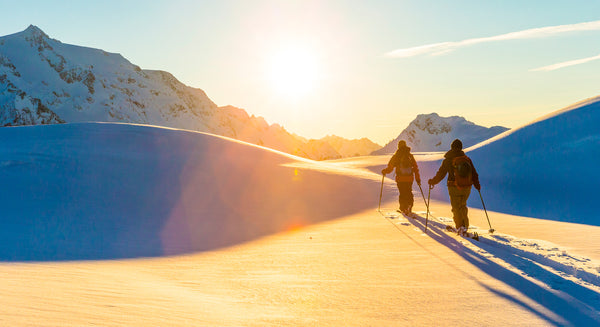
x: 384, y: 171
x: 431, y: 184
x: 419, y: 181
x: 477, y: 186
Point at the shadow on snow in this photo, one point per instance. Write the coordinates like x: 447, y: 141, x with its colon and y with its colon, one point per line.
x: 572, y: 303
x: 106, y: 191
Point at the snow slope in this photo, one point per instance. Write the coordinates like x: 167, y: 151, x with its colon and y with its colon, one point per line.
x: 240, y: 235
x: 431, y: 132
x: 102, y: 191
x: 360, y: 270
x: 566, y: 284
x: 545, y: 169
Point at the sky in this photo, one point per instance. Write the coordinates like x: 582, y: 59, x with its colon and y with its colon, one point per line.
x: 350, y: 68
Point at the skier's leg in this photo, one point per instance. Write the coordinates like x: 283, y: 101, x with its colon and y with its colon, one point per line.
x: 465, y: 210
x: 411, y: 198
x: 400, y: 196
x: 405, y: 193
x: 455, y: 201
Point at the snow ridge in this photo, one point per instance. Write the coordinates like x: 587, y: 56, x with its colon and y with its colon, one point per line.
x: 545, y: 169
x: 108, y: 191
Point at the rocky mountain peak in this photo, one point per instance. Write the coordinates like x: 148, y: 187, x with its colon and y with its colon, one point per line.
x: 432, y: 123
x: 36, y: 37
x: 34, y: 30
x: 34, y: 33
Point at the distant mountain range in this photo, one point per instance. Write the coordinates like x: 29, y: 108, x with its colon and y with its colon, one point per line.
x: 43, y: 81
x: 434, y: 133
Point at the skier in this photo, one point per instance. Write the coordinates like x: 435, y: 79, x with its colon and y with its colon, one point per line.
x: 461, y: 175
x: 406, y: 167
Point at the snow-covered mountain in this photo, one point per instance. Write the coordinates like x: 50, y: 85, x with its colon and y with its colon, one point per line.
x: 43, y: 81
x: 245, y: 127
x: 434, y: 133
x: 351, y: 148
x: 545, y: 169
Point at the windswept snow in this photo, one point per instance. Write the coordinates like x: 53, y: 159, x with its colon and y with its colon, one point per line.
x: 566, y: 284
x: 103, y: 191
x: 185, y: 228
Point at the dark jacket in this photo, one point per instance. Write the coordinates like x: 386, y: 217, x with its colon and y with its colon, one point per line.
x: 446, y: 168
x: 395, y: 162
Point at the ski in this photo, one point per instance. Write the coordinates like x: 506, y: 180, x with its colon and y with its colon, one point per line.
x: 408, y: 215
x: 473, y: 235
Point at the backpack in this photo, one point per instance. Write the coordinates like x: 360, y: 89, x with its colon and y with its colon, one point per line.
x: 463, y: 171
x: 404, y: 166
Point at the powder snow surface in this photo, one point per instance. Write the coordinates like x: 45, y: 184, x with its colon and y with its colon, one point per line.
x: 115, y: 224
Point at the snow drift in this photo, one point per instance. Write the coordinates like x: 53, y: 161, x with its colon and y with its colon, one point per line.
x: 545, y: 169
x: 103, y: 191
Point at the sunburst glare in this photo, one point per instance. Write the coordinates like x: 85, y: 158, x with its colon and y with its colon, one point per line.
x: 293, y: 72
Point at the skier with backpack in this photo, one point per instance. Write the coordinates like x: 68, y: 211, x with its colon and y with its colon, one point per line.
x: 406, y: 166
x: 461, y: 175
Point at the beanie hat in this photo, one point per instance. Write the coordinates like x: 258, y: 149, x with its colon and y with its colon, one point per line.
x: 401, y: 144
x: 456, y: 145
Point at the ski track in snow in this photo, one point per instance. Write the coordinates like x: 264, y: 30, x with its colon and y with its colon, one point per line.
x: 574, y: 279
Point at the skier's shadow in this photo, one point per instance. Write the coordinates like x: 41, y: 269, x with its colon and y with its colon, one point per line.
x: 582, y: 312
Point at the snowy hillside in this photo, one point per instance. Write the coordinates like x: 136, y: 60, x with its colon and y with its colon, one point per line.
x: 234, y: 234
x: 91, y: 191
x: 43, y: 81
x: 545, y: 169
x: 434, y: 133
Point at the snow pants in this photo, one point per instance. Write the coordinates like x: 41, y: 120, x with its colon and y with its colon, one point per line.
x: 405, y: 198
x: 458, y: 200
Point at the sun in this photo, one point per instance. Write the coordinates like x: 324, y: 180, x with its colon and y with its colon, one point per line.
x: 293, y: 72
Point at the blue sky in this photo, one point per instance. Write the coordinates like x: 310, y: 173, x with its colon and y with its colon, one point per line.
x: 227, y: 48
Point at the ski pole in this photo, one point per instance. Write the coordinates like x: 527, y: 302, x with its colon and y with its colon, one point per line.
x: 423, y: 195
x: 486, y: 214
x: 426, y: 205
x: 428, y: 198
x: 381, y: 192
